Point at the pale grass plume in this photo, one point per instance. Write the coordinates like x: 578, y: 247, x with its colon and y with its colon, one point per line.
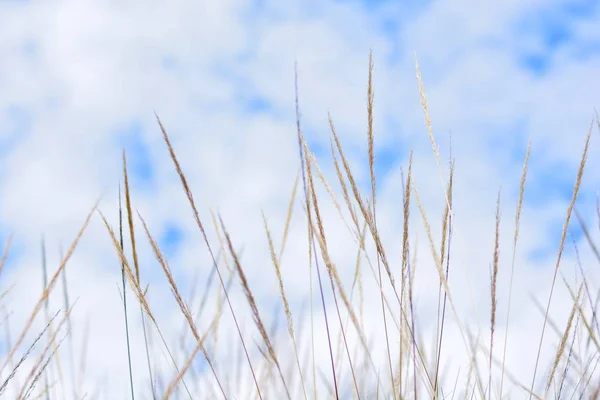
x: 587, y: 235
x: 173, y: 384
x: 199, y: 346
x: 405, y: 270
x: 323, y: 180
x: 137, y: 289
x: 227, y: 265
x: 305, y: 167
x: 196, y: 215
x: 592, y: 336
x: 321, y: 239
x: 7, y: 291
x: 434, y: 146
x: 286, y: 305
x: 358, y: 276
x: 38, y: 364
x: 50, y: 286
x: 370, y: 135
x: 213, y: 217
x: 334, y: 275
x: 5, y: 252
x: 563, y: 341
x: 446, y: 237
x: 342, y: 181
x: 178, y: 298
x: 373, y: 230
x: 438, y: 263
x: 288, y: 217
x: 514, y: 255
x: 359, y: 237
x: 43, y: 369
x: 253, y: 306
x: 49, y: 392
x: 12, y: 374
x: 128, y: 272
x: 411, y: 326
x: 130, y: 219
x: 371, y: 147
x: 494, y: 298
x: 562, y: 245
x: 366, y: 215
x: 135, y: 258
x: 436, y: 152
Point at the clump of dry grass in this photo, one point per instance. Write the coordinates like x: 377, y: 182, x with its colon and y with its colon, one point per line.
x: 414, y: 371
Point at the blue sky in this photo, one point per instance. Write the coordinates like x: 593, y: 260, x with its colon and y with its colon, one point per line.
x: 80, y: 81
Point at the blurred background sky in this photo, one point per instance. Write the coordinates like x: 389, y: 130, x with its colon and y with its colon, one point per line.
x: 80, y: 81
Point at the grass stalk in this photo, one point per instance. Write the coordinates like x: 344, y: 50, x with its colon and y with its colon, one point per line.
x: 121, y: 242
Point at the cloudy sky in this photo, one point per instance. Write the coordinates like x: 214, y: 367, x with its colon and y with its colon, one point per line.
x: 81, y: 80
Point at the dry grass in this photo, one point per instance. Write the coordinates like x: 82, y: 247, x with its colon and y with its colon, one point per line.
x: 514, y: 253
x: 562, y: 244
x: 406, y: 369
